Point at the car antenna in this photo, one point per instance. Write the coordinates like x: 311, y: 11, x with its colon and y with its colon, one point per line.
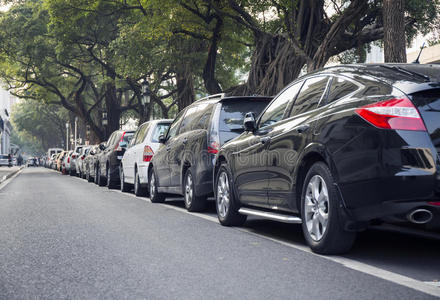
x: 418, y: 56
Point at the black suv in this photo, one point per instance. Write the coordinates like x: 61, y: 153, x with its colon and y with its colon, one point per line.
x: 337, y: 150
x: 183, y: 164
x: 109, y: 158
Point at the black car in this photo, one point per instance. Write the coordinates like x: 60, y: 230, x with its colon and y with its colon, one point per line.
x: 337, y: 150
x: 183, y: 164
x: 109, y: 158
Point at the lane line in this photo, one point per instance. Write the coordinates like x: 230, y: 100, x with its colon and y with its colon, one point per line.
x: 427, y: 287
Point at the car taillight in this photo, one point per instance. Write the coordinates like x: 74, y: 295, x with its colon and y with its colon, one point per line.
x: 68, y: 160
x: 82, y: 157
x: 74, y: 156
x: 398, y: 114
x: 148, y: 154
x: 213, y: 147
x: 434, y: 203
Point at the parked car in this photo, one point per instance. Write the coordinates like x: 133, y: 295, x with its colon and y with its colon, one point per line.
x: 73, y: 160
x: 80, y: 161
x: 183, y: 164
x: 337, y: 150
x: 60, y: 159
x: 90, y: 162
x: 32, y: 162
x: 109, y: 158
x: 137, y: 157
x: 4, y: 160
x: 65, y: 169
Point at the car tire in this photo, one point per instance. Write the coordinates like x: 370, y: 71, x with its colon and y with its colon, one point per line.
x: 322, y: 222
x: 125, y: 187
x: 139, y: 190
x: 99, y: 180
x: 193, y: 203
x: 225, y: 202
x: 110, y: 183
x: 155, y: 196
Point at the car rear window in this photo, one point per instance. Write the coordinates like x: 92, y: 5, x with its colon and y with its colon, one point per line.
x: 127, y: 137
x: 160, y: 129
x: 232, y: 115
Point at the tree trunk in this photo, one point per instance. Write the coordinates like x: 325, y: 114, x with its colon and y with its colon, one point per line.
x: 394, y: 31
x: 112, y: 109
x: 211, y: 83
x: 185, y: 87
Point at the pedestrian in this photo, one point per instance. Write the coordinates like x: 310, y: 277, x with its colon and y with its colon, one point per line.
x: 9, y: 160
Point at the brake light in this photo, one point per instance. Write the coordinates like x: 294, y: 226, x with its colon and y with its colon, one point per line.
x: 68, y: 160
x: 213, y: 148
x: 82, y: 157
x: 74, y: 156
x: 148, y: 154
x: 434, y: 203
x: 118, y: 147
x: 398, y: 114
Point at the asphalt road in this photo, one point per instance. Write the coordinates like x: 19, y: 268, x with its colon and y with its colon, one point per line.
x: 64, y: 238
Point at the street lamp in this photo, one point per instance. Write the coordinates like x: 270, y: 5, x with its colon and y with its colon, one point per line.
x: 146, y: 94
x: 76, y: 130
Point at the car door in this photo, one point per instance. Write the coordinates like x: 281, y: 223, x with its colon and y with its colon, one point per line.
x: 128, y: 159
x: 162, y: 156
x: 289, y: 137
x: 177, y: 147
x: 252, y: 180
x: 138, y: 150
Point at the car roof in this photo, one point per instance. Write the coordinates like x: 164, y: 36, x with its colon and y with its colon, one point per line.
x: 389, y: 72
x: 223, y: 98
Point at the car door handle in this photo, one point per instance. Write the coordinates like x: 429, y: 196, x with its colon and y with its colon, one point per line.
x: 302, y: 128
x: 168, y: 148
x: 185, y: 140
x: 265, y: 140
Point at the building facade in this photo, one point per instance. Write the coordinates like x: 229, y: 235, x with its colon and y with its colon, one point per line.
x: 6, y: 103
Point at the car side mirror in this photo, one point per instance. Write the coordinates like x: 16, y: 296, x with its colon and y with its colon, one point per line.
x: 123, y: 145
x: 249, y: 123
x: 162, y: 139
x: 101, y: 146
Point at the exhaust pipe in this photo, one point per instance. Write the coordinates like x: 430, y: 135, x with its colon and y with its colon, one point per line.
x: 419, y: 216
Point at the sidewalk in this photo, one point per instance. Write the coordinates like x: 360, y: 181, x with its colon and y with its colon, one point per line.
x: 6, y: 172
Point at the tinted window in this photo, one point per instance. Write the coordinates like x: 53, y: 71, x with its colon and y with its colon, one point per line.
x: 175, y: 125
x: 309, y: 96
x: 232, y: 115
x: 189, y: 119
x: 203, y: 116
x: 340, y: 88
x: 158, y: 131
x: 275, y: 111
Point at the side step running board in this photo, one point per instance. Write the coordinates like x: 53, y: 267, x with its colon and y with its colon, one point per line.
x: 270, y: 216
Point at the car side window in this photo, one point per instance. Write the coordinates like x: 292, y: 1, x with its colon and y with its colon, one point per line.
x: 202, y: 117
x: 175, y: 125
x: 275, y: 111
x: 189, y: 119
x: 340, y: 87
x: 310, y: 95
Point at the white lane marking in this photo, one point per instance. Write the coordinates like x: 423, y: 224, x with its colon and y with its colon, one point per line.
x: 7, y: 181
x: 430, y: 288
x: 433, y: 283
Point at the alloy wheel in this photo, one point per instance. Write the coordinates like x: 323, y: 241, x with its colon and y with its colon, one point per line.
x: 189, y: 190
x: 316, y: 207
x: 152, y: 185
x: 223, y: 195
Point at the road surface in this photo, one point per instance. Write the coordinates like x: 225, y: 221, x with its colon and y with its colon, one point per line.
x: 64, y: 238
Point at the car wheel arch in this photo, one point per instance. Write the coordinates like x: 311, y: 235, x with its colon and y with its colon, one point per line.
x: 311, y: 154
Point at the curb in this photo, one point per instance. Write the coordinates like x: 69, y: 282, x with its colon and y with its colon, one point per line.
x: 6, y: 177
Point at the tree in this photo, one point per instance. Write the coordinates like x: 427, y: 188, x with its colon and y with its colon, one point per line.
x: 394, y: 40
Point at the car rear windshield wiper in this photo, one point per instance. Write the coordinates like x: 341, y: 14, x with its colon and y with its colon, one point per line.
x: 407, y: 72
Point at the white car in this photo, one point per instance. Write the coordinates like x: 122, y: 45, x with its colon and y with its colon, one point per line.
x: 134, y: 164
